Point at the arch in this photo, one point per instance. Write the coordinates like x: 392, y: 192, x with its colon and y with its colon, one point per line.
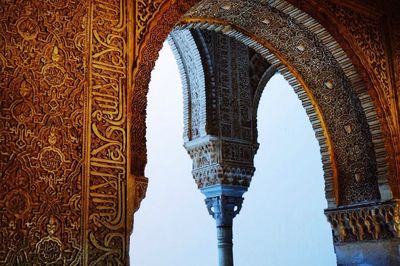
x: 293, y: 44
x: 193, y: 83
x: 244, y: 20
x: 356, y: 123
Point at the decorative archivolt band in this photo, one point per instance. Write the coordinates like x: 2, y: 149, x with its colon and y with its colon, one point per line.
x: 193, y: 83
x: 334, y: 108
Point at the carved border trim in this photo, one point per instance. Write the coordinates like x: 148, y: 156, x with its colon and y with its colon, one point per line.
x: 358, y: 85
x: 191, y: 71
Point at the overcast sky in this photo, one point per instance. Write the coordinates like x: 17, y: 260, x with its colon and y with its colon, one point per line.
x: 281, y: 222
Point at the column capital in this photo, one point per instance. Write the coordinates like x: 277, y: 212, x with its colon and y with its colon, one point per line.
x: 223, y: 209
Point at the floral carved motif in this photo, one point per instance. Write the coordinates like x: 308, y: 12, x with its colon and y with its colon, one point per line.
x: 42, y: 87
x: 146, y: 12
x: 63, y: 132
x: 368, y: 36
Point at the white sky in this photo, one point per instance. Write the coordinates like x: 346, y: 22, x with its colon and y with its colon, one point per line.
x: 281, y: 222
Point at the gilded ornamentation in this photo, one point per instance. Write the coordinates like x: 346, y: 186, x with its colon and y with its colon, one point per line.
x: 18, y: 202
x: 27, y: 28
x: 106, y: 170
x: 367, y: 34
x: 66, y: 68
x: 63, y: 136
x: 42, y: 86
x: 146, y: 12
x: 49, y: 248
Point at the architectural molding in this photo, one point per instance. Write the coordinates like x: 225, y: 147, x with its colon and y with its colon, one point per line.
x: 365, y: 222
x: 190, y: 67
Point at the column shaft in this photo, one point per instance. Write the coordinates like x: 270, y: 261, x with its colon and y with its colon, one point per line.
x: 225, y: 245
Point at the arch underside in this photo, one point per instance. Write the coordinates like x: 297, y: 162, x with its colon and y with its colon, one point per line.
x: 333, y: 95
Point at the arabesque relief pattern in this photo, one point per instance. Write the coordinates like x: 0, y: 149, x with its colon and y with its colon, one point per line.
x: 157, y: 31
x: 222, y: 150
x: 43, y: 80
x: 63, y: 132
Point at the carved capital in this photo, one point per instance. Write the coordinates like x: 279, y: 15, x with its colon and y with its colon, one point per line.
x: 366, y: 222
x: 221, y: 162
x: 224, y: 208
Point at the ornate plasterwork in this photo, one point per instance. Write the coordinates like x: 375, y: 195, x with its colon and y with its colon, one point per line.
x: 42, y: 87
x: 156, y: 35
x: 193, y: 83
x: 106, y: 171
x: 146, y: 11
x: 323, y: 77
x: 364, y: 223
x: 223, y: 151
x: 64, y: 132
x: 369, y: 38
x: 221, y: 162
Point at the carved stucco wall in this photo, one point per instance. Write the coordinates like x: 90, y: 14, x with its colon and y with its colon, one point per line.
x: 64, y: 150
x: 68, y: 70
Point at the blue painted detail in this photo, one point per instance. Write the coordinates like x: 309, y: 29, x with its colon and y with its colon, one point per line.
x: 223, y: 190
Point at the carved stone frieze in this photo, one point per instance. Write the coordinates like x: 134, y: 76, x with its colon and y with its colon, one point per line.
x: 364, y: 223
x: 106, y: 171
x: 221, y: 162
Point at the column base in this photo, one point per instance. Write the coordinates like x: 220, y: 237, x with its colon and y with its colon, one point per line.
x: 369, y: 253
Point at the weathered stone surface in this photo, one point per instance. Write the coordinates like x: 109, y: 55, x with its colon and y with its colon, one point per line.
x: 370, y: 253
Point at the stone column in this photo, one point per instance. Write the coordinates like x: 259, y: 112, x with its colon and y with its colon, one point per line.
x: 220, y: 88
x: 223, y: 183
x: 224, y: 203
